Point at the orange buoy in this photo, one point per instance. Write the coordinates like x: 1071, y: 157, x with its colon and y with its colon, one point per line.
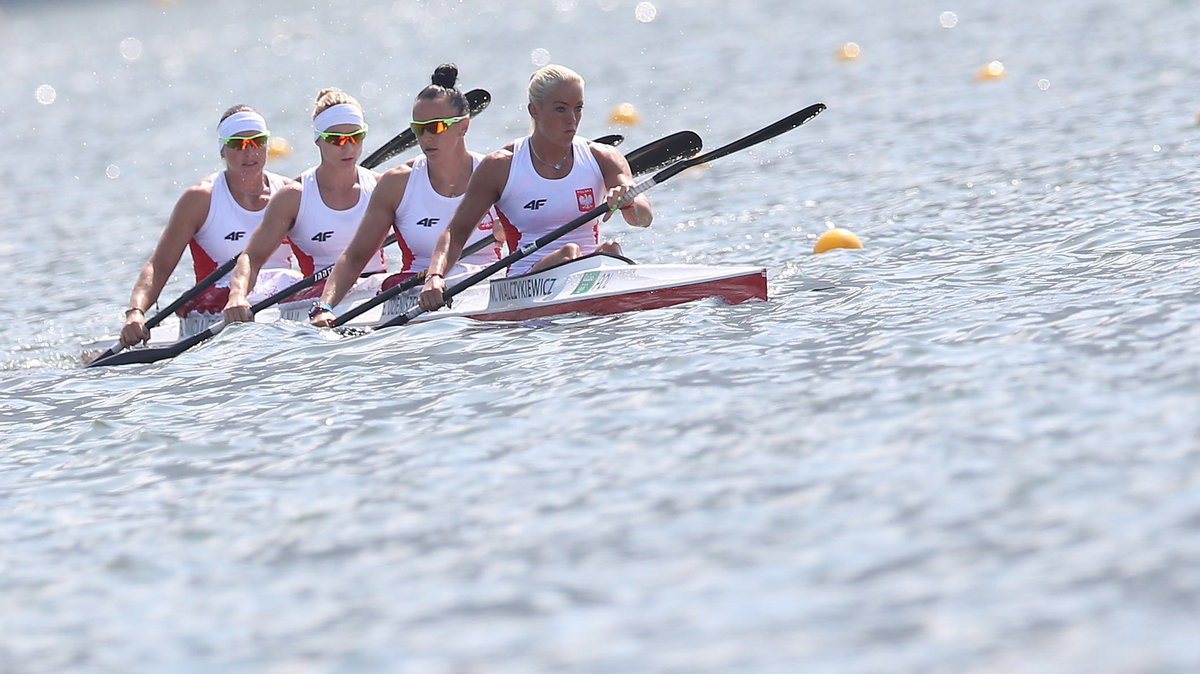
x: 849, y: 51
x: 278, y: 146
x: 836, y: 238
x: 625, y: 114
x: 994, y: 70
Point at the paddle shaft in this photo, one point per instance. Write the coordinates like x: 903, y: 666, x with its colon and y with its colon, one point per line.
x: 155, y: 354
x: 641, y: 160
x: 187, y: 296
x: 786, y: 124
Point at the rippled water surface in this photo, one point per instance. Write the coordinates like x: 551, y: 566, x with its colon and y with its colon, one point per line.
x: 972, y: 446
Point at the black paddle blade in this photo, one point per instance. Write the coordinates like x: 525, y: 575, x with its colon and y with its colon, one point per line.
x: 766, y: 133
x: 477, y: 102
x: 664, y: 151
x: 613, y: 139
x: 156, y: 353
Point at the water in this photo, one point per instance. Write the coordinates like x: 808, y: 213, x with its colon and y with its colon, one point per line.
x: 970, y: 447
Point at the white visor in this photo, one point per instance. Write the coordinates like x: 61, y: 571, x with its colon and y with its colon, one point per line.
x: 240, y: 122
x: 342, y: 113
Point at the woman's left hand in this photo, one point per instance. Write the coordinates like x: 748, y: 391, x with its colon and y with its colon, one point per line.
x: 616, y: 196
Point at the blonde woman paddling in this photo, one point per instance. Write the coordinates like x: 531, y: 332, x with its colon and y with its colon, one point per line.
x: 540, y: 182
x: 320, y: 211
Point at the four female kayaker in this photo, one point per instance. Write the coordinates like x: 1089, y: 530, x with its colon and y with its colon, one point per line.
x: 320, y: 211
x: 214, y: 218
x: 540, y: 182
x: 418, y: 198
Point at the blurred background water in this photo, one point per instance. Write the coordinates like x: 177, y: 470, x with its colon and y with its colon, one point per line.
x: 971, y: 446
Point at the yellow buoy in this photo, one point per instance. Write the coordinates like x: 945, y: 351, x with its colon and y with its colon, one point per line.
x: 625, y: 114
x: 849, y: 51
x: 836, y: 238
x: 278, y: 147
x: 994, y: 70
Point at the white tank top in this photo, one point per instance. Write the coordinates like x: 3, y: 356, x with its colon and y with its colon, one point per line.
x: 531, y: 205
x: 423, y: 214
x: 227, y: 228
x: 320, y: 234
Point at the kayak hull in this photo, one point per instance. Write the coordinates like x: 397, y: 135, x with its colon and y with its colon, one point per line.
x: 594, y: 284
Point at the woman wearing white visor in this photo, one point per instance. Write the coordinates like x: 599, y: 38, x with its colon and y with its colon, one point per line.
x: 214, y: 218
x: 319, y: 212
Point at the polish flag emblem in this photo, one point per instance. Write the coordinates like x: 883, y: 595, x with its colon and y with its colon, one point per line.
x: 586, y: 199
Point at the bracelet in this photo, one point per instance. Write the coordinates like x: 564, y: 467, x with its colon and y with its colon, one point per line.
x: 441, y: 276
x: 318, y: 308
x: 130, y: 310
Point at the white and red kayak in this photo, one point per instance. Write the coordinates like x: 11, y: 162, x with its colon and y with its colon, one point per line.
x: 593, y: 284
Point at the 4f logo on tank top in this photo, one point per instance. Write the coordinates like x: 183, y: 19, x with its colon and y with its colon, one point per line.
x: 234, y: 236
x: 535, y: 204
x: 428, y: 222
x: 586, y: 199
x: 322, y: 236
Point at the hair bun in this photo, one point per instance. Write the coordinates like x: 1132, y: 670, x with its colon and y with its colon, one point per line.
x: 446, y: 75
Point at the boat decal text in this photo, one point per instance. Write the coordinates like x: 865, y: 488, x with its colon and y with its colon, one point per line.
x: 521, y: 289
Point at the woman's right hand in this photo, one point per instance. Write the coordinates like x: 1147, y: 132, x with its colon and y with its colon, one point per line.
x: 238, y: 313
x: 324, y: 319
x: 431, y: 293
x: 135, y: 328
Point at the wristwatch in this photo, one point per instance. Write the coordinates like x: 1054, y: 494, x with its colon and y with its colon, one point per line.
x: 319, y: 307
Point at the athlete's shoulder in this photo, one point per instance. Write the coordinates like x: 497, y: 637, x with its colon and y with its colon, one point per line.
x: 504, y: 154
x: 394, y: 179
x: 496, y: 162
x: 198, y: 197
x: 203, y: 186
x: 603, y: 150
x: 282, y: 179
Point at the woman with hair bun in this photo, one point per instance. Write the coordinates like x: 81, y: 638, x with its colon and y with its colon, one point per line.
x: 213, y: 219
x: 319, y: 212
x: 418, y: 198
x: 541, y: 181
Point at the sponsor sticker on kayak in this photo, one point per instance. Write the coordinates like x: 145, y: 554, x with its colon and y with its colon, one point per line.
x: 586, y: 282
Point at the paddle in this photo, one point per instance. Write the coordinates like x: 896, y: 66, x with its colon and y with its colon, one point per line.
x: 614, y: 139
x: 183, y: 299
x: 641, y: 160
x: 786, y: 124
x: 477, y: 102
x: 155, y: 354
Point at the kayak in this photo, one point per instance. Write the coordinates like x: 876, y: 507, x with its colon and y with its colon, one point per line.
x: 593, y: 284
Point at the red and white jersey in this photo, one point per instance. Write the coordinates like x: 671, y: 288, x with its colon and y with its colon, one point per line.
x: 320, y: 234
x: 422, y: 216
x: 531, y: 205
x: 227, y: 228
